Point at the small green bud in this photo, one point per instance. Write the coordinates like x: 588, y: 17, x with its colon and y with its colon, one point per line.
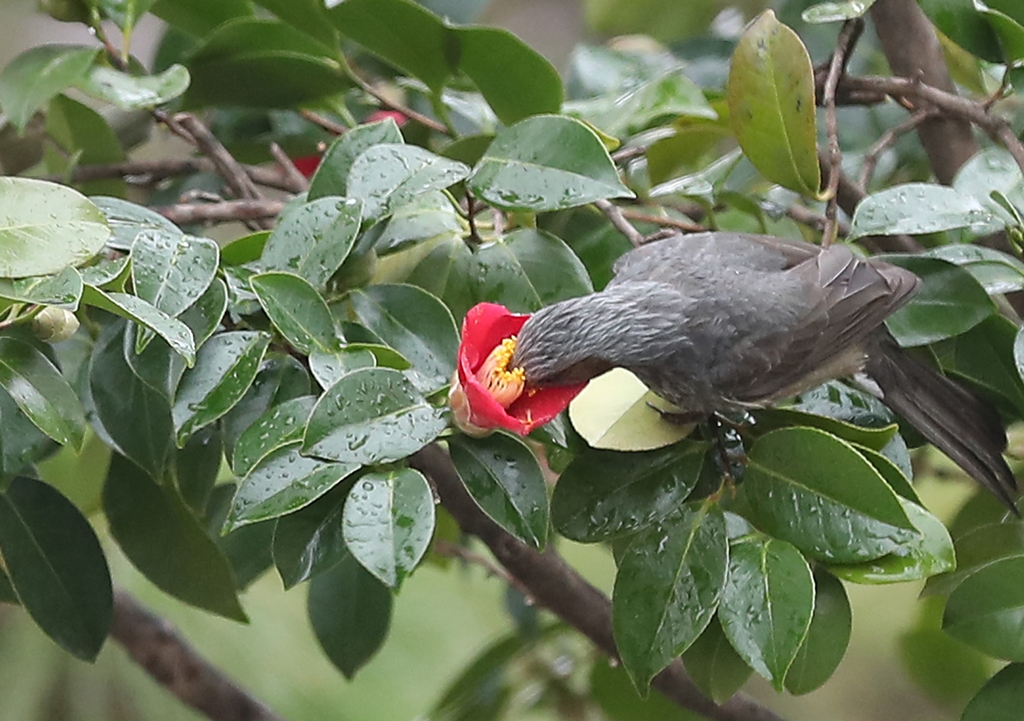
x: 54, y: 324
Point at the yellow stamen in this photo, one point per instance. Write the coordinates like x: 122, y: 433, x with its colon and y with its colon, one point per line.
x: 504, y: 385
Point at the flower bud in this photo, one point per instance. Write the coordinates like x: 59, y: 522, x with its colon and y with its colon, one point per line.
x: 54, y: 324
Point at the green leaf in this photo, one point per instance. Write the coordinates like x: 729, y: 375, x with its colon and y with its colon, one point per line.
x: 987, y: 609
x: 350, y: 612
x: 767, y: 604
x: 247, y: 549
x: 331, y: 177
x: 827, y: 637
x: 281, y: 424
x: 21, y: 443
x: 996, y: 271
x: 611, y: 688
x: 965, y: 26
x: 527, y: 270
x: 309, y: 16
x: 371, y: 415
x: 225, y: 368
x: 246, y: 249
x: 603, y: 494
x: 1008, y: 30
x: 56, y: 566
x: 135, y: 418
x: 127, y: 220
x: 515, y: 80
x: 328, y: 368
x: 714, y: 666
x: 41, y: 392
x: 424, y: 218
x: 63, y: 289
x: 297, y: 311
x: 668, y: 586
x: 7, y: 594
x: 312, y: 240
x: 769, y: 419
x: 414, y: 323
x: 86, y: 136
x: 196, y: 468
x: 281, y: 482
x: 616, y: 411
x: 166, y: 543
x: 132, y: 92
x: 387, y: 176
x: 125, y: 13
x: 545, y: 163
x: 37, y: 75
x: 388, y: 522
x: 503, y: 477
x: 993, y: 170
x: 814, y: 490
x: 446, y: 273
x: 177, y: 334
x: 833, y: 12
x: 309, y: 541
x: 977, y: 549
x: 949, y: 302
x: 400, y: 32
x: 916, y: 209
x: 46, y: 227
x: 262, y: 63
x: 200, y: 17
x: 771, y: 104
x: 1000, y: 699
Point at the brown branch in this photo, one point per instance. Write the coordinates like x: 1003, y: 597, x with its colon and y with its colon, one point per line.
x: 156, y: 647
x: 408, y: 112
x: 555, y: 585
x: 146, y: 172
x: 223, y: 212
x: 191, y: 128
x: 885, y: 140
x: 687, y: 226
x: 619, y: 222
x: 844, y: 45
x: 295, y: 178
x: 326, y: 123
x: 806, y: 216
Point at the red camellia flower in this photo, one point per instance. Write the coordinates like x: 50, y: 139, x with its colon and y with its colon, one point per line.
x: 487, y: 394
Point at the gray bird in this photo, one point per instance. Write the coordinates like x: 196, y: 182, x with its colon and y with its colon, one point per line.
x: 715, y: 322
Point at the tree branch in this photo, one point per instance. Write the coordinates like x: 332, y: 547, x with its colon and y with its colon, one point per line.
x: 620, y: 223
x: 225, y: 211
x: 156, y: 647
x: 152, y: 171
x: 555, y: 585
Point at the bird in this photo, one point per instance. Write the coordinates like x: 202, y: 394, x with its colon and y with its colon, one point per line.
x: 718, y: 322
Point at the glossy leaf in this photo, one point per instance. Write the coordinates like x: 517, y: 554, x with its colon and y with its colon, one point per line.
x: 297, y: 311
x: 199, y: 17
x: 658, y: 100
x: 46, y: 227
x: 617, y: 412
x: 771, y: 104
x: 41, y: 392
x: 668, y: 586
x: 915, y: 209
x: 331, y: 177
x: 424, y: 218
x: 281, y: 482
x: 196, y: 468
x: 312, y: 240
x: 515, y: 80
x: 618, y: 699
x: 371, y: 415
x: 350, y: 611
x: 446, y: 273
x: 1000, y: 699
x: 246, y: 249
x: 827, y: 637
x: 603, y: 494
x: 815, y: 491
x: 414, y: 323
x: 134, y: 92
x: 767, y: 604
x: 993, y: 170
x: 62, y: 289
x: 225, y: 368
x: 309, y: 16
x: 309, y: 541
x: 997, y: 272
x: 262, y: 63
x: 949, y: 302
x: 281, y: 424
x: 401, y: 32
x: 37, y: 75
x: 56, y: 566
x: 1008, y: 30
x: 328, y: 368
x: 166, y: 543
x: 714, y: 665
x: 976, y: 549
x: 504, y: 478
x: 527, y: 270
x: 986, y: 610
x: 132, y: 415
x: 388, y: 522
x: 172, y: 271
x: 177, y: 334
x: 127, y: 220
x: 247, y: 549
x: 546, y: 163
x: 388, y: 176
x: 21, y: 443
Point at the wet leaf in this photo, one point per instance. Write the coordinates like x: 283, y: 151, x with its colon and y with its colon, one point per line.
x: 281, y: 424
x: 827, y: 637
x: 297, y: 311
x: 134, y: 92
x: 177, y: 334
x: 916, y: 209
x: 309, y: 541
x: 312, y: 240
x: 986, y: 610
x: 62, y: 289
x: 387, y: 176
x: 34, y: 77
x: 331, y: 177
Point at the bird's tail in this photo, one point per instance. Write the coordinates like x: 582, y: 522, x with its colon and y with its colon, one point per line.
x: 962, y: 425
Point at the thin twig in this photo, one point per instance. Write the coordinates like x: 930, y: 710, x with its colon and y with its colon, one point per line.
x: 153, y: 643
x: 189, y: 126
x: 626, y: 154
x: 454, y: 550
x: 292, y: 173
x: 326, y: 123
x: 847, y: 38
x: 555, y: 585
x: 806, y: 216
x: 687, y: 226
x: 147, y: 172
x: 223, y: 212
x: 620, y: 223
x: 888, y: 138
x: 408, y: 112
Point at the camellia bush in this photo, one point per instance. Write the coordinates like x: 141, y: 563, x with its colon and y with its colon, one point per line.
x: 270, y: 342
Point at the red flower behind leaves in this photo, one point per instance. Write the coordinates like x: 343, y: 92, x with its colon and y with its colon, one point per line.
x: 487, y: 326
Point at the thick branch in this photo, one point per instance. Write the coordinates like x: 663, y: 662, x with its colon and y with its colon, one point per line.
x: 913, y: 51
x: 553, y: 584
x: 176, y: 666
x: 223, y: 212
